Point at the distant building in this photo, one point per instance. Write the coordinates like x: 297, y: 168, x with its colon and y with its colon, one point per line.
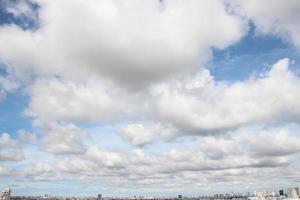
x: 99, y: 197
x: 5, y: 194
x: 281, y: 192
x: 298, y: 191
x: 180, y: 197
x: 292, y: 193
x: 47, y: 196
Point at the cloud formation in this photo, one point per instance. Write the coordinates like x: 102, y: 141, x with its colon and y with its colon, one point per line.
x: 202, y: 105
x: 131, y: 42
x: 190, y: 105
x: 240, y: 155
x: 9, y: 149
x: 62, y: 138
x: 272, y: 16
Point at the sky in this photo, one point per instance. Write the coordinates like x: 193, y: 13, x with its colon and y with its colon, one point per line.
x: 149, y: 98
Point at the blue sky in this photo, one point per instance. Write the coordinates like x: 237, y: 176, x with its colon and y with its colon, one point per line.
x: 250, y: 55
x: 131, y: 99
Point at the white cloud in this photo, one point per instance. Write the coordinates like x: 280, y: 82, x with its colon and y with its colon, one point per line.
x: 95, y: 162
x: 7, y: 141
x: 180, y: 106
x: 7, y: 84
x: 60, y: 138
x: 138, y: 134
x: 141, y: 134
x: 35, y: 171
x: 9, y: 149
x: 255, y: 142
x: 239, y: 149
x: 27, y: 137
x: 264, y: 154
x: 11, y: 155
x: 239, y: 154
x: 105, y: 158
x: 76, y: 166
x: 86, y: 102
x: 273, y: 17
x: 131, y: 42
x: 201, y: 105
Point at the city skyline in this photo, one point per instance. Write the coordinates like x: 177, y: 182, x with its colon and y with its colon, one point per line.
x: 291, y: 193
x: 149, y: 97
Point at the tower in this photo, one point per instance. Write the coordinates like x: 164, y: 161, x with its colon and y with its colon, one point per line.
x: 281, y: 193
x: 5, y: 194
x: 99, y: 197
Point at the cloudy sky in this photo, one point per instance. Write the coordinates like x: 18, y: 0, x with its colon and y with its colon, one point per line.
x: 152, y: 97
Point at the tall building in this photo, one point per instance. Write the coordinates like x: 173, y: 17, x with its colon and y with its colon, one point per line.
x: 298, y: 191
x: 99, y: 197
x: 292, y: 193
x: 5, y: 194
x: 281, y: 192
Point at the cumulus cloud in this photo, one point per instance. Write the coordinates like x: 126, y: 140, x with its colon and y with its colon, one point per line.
x: 237, y: 150
x: 202, y: 105
x: 9, y: 148
x: 75, y: 102
x: 7, y: 141
x: 256, y: 142
x: 272, y: 16
x: 141, y: 134
x: 131, y: 42
x: 11, y: 155
x: 36, y: 171
x: 106, y: 158
x: 60, y: 138
x: 7, y: 84
x: 94, y: 162
x: 27, y: 137
x: 181, y: 106
x: 138, y: 134
x: 239, y: 154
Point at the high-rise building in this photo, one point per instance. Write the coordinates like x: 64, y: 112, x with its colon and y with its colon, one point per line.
x: 5, y: 194
x: 298, y: 191
x: 99, y: 197
x: 281, y: 192
x: 292, y: 193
